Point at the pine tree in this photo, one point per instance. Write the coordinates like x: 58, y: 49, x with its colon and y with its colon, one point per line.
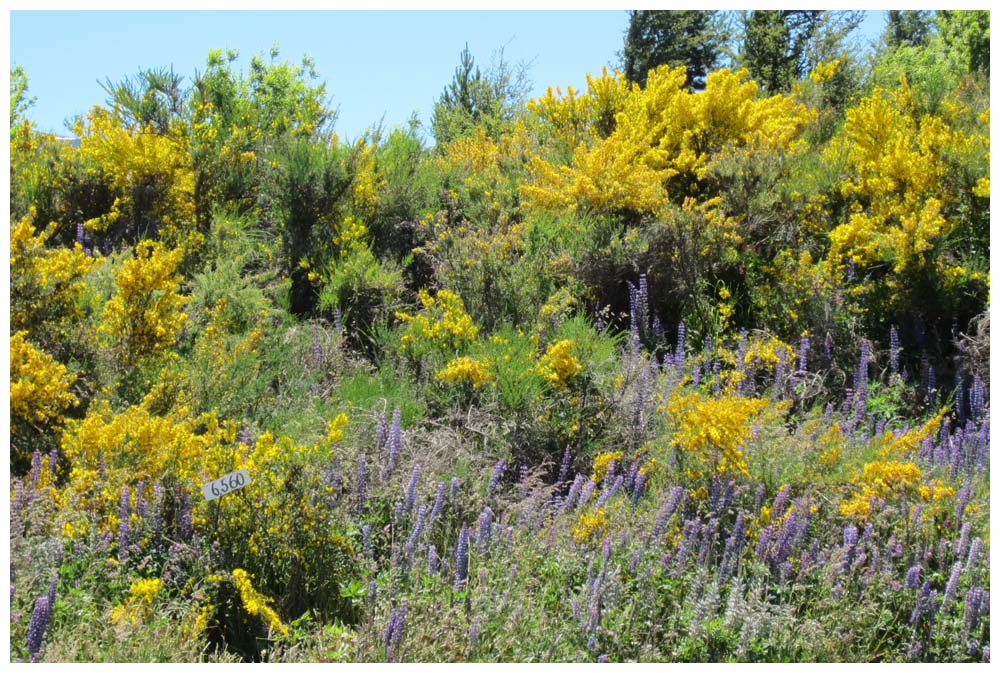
x: 690, y: 38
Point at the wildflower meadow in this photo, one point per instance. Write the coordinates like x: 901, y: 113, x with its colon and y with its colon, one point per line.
x: 690, y: 366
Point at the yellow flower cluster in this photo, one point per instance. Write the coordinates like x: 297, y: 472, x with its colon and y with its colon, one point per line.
x: 145, y: 445
x: 824, y: 71
x: 465, y: 370
x: 881, y: 479
x: 256, y: 603
x: 144, y: 317
x: 335, y: 428
x: 572, y: 119
x: 663, y: 137
x: 39, y: 386
x: 896, y: 167
x: 141, y: 161
x: 138, y: 607
x: 602, y: 461
x: 767, y: 352
x: 906, y: 444
x: 559, y: 365
x: 591, y: 527
x: 443, y: 325
x: 45, y: 283
x: 367, y: 181
x: 707, y: 427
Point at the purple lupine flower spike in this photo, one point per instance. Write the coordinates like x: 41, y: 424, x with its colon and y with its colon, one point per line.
x: 564, y: 466
x: 679, y: 349
x: 36, y: 469
x: 438, y: 506
x: 462, y: 558
x: 893, y: 350
x: 495, y: 478
x: 366, y: 540
x: 411, y: 489
x: 418, y: 529
x: 574, y: 493
x: 640, y: 482
x: 40, y: 618
x: 952, y: 587
x: 123, y: 526
x: 667, y: 511
x: 485, y: 529
x: 433, y: 562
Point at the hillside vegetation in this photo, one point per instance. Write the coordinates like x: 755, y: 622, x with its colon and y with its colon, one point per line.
x: 638, y: 373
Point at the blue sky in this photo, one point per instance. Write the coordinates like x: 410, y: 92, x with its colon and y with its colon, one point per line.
x: 375, y: 63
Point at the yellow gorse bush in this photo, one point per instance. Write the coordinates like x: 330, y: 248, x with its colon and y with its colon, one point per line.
x: 559, y: 365
x: 144, y: 317
x: 663, y: 141
x: 138, y: 606
x: 601, y: 463
x: 591, y: 526
x: 45, y: 283
x: 39, y: 386
x: 880, y: 479
x: 139, y: 443
x: 442, y: 325
x: 711, y: 431
x: 896, y: 165
x: 141, y: 160
x: 465, y: 370
x: 256, y: 603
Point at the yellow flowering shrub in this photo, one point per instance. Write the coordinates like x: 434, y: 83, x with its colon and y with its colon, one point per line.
x: 711, y: 431
x: 45, y: 283
x: 442, y: 326
x: 880, y: 479
x: 908, y: 443
x: 144, y: 317
x: 559, y: 365
x: 256, y: 603
x: 138, y: 606
x: 663, y: 141
x: 146, y: 445
x: 602, y: 461
x: 39, y: 386
x: 591, y: 526
x: 573, y: 119
x: 824, y: 71
x: 141, y: 161
x: 465, y: 370
x: 896, y: 165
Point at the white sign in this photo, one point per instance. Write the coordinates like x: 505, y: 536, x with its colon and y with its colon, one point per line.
x: 225, y: 484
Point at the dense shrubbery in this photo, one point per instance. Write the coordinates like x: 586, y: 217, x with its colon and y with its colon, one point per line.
x: 635, y: 374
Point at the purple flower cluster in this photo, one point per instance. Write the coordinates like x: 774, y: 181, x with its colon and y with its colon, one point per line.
x: 462, y: 558
x: 394, y: 631
x: 411, y: 489
x: 498, y: 471
x: 40, y: 618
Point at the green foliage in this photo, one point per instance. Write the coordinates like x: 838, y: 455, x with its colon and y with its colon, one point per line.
x: 20, y: 102
x: 687, y: 38
x: 489, y: 100
x: 153, y: 98
x: 775, y: 44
